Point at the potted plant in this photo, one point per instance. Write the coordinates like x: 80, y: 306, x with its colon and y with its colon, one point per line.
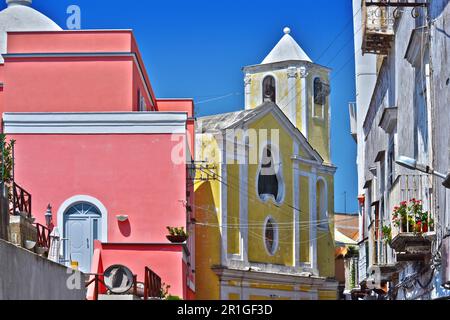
x: 177, y: 235
x: 410, y: 217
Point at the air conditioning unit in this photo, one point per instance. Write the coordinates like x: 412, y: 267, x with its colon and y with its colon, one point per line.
x: 445, y: 272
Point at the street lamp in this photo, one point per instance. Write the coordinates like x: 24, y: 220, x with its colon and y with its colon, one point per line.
x: 413, y: 165
x: 48, y: 216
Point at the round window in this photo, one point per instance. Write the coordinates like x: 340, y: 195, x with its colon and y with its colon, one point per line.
x: 270, y: 236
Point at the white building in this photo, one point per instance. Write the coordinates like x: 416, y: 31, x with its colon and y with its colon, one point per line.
x: 401, y: 109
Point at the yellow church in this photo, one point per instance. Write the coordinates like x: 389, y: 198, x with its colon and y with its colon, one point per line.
x: 265, y: 184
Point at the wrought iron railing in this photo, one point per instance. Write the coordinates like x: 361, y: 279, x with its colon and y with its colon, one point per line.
x: 377, y: 28
x: 152, y: 284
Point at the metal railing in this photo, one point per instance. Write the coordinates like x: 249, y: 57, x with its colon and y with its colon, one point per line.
x: 406, y: 188
x: 152, y: 284
x: 377, y: 28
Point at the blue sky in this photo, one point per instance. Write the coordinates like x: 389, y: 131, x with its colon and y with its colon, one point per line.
x: 197, y: 49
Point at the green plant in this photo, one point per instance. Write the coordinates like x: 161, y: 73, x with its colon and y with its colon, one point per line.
x: 180, y: 232
x: 170, y: 297
x: 7, y: 158
x: 352, y: 251
x: 410, y: 216
x: 164, y: 291
x: 387, y: 234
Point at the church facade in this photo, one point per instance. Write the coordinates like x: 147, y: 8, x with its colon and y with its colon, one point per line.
x: 265, y: 183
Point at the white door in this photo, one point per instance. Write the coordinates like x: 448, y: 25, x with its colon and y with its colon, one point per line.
x: 81, y: 227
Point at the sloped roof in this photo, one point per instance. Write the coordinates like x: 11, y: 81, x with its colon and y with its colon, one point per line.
x: 342, y: 240
x: 286, y: 49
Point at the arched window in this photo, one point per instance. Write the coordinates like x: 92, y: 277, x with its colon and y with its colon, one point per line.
x: 269, y: 89
x: 322, y: 204
x: 270, y: 183
x: 271, y: 236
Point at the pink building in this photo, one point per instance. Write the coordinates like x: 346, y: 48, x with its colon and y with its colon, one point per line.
x: 95, y: 143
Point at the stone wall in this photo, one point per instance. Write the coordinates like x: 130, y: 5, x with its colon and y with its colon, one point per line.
x: 27, y: 276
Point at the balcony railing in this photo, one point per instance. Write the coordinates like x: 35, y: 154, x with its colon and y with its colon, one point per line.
x: 378, y: 28
x: 411, y: 234
x: 43, y: 236
x: 21, y: 201
x: 152, y: 284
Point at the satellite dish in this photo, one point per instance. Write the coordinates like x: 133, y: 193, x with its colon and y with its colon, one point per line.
x: 118, y: 279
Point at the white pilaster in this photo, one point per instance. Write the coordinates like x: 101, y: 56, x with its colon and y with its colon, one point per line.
x: 243, y: 201
x: 304, y: 93
x: 247, y: 88
x: 313, y: 219
x: 296, y: 213
x: 224, y: 204
x: 292, y: 95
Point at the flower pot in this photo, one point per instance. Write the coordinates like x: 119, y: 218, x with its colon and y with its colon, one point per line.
x: 177, y: 239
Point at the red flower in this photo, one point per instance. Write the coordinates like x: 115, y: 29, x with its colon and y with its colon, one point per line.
x: 403, y: 203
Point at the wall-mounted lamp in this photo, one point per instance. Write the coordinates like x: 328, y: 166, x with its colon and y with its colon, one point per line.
x: 122, y: 217
x: 48, y: 216
x: 412, y: 164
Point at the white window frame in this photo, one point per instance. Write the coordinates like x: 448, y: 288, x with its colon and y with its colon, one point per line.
x: 275, y: 236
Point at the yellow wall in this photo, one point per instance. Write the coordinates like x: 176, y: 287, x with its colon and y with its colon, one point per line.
x: 208, y: 213
x: 318, y: 128
x: 207, y: 234
x: 258, y: 211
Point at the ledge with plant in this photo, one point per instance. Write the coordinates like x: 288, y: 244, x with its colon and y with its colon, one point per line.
x: 177, y: 234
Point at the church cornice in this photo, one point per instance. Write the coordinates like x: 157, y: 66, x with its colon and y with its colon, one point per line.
x: 284, y: 65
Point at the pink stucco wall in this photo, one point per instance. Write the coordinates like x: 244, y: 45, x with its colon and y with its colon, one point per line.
x: 91, y: 78
x: 166, y: 260
x: 130, y: 174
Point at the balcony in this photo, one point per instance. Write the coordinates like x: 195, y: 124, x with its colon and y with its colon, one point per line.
x: 412, y: 219
x: 377, y: 28
x: 353, y: 113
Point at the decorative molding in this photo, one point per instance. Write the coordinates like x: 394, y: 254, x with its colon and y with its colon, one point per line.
x: 292, y: 72
x: 276, y: 235
x: 303, y: 72
x: 95, y: 123
x: 292, y: 278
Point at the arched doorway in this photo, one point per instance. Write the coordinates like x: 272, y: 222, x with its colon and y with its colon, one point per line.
x: 82, y: 226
